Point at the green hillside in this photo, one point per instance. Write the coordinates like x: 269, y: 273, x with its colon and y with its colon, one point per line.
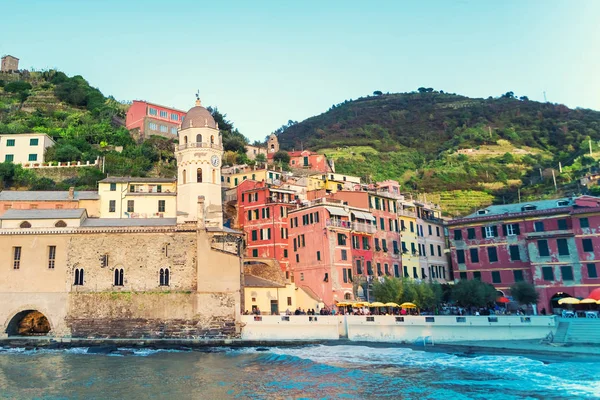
x: 465, y: 151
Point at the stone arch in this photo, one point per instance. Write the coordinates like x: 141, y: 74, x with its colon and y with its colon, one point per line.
x: 28, y: 321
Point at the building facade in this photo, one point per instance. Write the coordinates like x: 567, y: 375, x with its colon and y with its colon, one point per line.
x: 127, y: 197
x: 9, y: 64
x: 550, y: 243
x: 50, y: 200
x: 24, y: 148
x: 145, y: 119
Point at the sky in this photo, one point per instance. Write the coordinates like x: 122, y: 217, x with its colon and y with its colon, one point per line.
x: 266, y: 62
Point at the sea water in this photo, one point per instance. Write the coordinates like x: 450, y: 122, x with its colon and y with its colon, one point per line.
x: 311, y: 372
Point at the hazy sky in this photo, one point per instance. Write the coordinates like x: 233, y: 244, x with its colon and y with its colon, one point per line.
x: 265, y: 62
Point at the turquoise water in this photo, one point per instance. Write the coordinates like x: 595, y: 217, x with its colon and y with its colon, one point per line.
x: 314, y: 372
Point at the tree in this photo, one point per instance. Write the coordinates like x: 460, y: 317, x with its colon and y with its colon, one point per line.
x: 261, y: 158
x: 387, y: 291
x: 282, y: 157
x: 524, y: 293
x: 473, y: 293
x: 7, y: 174
x: 17, y: 87
x: 377, y: 93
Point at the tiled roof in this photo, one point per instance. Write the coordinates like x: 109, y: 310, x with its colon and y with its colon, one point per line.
x: 540, y: 205
x: 16, y: 195
x: 127, y: 179
x: 44, y: 214
x: 127, y: 222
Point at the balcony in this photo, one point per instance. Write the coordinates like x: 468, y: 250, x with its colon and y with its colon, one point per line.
x: 199, y: 145
x: 407, y: 213
x: 363, y: 227
x: 337, y: 223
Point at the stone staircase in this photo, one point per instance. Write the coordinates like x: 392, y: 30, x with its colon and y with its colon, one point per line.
x: 578, y: 330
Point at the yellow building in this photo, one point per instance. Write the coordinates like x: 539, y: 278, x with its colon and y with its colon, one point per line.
x: 233, y: 179
x: 407, y: 218
x: 332, y: 182
x: 127, y: 197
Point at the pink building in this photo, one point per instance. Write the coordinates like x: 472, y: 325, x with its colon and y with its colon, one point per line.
x: 146, y: 119
x: 306, y: 159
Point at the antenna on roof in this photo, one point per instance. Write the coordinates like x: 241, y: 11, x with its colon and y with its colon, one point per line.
x: 198, y: 94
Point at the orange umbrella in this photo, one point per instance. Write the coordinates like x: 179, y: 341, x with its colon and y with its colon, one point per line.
x: 502, y: 300
x: 594, y: 294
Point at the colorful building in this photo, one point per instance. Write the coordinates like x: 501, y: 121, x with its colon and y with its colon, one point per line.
x: 431, y: 241
x: 145, y: 119
x: 50, y: 200
x: 553, y: 244
x: 306, y: 160
x: 233, y: 176
x: 24, y: 148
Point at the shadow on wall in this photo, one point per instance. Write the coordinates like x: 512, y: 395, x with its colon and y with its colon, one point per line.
x: 28, y: 323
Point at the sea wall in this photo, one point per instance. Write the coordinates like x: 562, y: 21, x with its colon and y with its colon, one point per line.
x: 436, y: 329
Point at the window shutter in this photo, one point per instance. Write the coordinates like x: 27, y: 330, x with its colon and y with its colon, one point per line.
x: 504, y: 233
x: 495, y: 230
x: 483, y: 232
x: 517, y: 229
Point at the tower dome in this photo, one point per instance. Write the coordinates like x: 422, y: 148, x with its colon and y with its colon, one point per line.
x: 198, y: 117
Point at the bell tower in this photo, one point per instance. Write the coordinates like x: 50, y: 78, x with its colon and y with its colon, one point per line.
x: 199, y: 155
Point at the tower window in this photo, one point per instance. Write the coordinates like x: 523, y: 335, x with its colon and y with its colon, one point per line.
x: 184, y: 177
x: 198, y: 138
x: 199, y: 175
x: 185, y: 140
x: 164, y: 277
x: 119, y: 277
x: 212, y: 139
x: 78, y: 277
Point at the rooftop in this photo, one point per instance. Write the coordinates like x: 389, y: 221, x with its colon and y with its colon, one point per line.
x: 255, y: 281
x: 127, y: 222
x: 75, y: 213
x: 159, y: 105
x: 539, y: 205
x: 128, y: 179
x: 16, y: 195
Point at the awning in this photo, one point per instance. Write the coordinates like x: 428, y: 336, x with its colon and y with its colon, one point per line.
x: 337, y: 211
x: 363, y: 215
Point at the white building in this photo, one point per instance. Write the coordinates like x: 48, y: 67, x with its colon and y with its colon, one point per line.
x: 24, y: 148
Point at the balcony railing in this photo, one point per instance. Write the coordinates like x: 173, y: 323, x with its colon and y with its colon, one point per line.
x: 338, y: 223
x: 199, y: 145
x: 363, y: 227
x: 407, y: 213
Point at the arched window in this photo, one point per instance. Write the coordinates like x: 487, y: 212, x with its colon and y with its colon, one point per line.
x: 347, y: 296
x: 119, y: 277
x: 78, y: 277
x: 60, y: 224
x: 185, y: 140
x: 198, y: 138
x: 199, y: 175
x: 212, y: 139
x: 184, y: 177
x: 164, y: 277
x: 25, y: 224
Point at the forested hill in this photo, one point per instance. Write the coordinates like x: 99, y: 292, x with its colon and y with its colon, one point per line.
x: 435, y: 142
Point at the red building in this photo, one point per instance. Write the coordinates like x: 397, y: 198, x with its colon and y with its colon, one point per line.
x: 552, y: 243
x: 146, y: 119
x: 306, y: 159
x: 263, y: 216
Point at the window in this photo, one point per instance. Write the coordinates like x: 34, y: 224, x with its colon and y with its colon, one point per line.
x: 384, y: 245
x: 567, y: 272
x: 591, y: 269
x: 514, y: 253
x: 429, y: 229
x: 16, y: 257
x: 562, y: 225
x: 386, y: 269
x: 32, y: 157
x: 164, y: 277
x: 153, y: 126
x: 511, y: 229
x: 344, y: 255
x: 412, y: 229
x: 543, y: 248
x: 164, y: 128
x: 254, y: 252
x: 289, y: 301
x: 60, y: 224
x: 130, y: 206
x: 584, y: 223
x: 477, y: 275
x: 492, y: 254
x: 112, y: 205
x: 318, y: 256
x: 104, y: 260
x: 563, y: 248
x: 365, y: 243
x: 370, y: 268
x: 285, y: 253
x: 463, y: 275
x: 152, y: 111
x: 439, y: 250
x: 118, y: 277
x: 34, y: 142
x: 10, y: 143
x: 161, y: 205
x: 457, y: 234
x: 548, y: 273
x: 396, y: 270
x: 297, y: 258
x: 9, y: 158
x: 341, y: 239
x: 174, y: 117
x: 460, y: 256
x: 415, y: 273
x: 496, y: 277
x: 382, y: 223
x: 359, y: 267
x: 163, y: 114
x: 587, y: 245
x: 538, y: 226
x: 437, y: 231
x: 355, y: 242
x: 405, y: 270
x: 174, y: 131
x: 345, y: 275
x: 474, y: 255
x: 377, y: 244
x: 199, y: 175
x: 470, y: 233
x: 51, y: 256
x: 113, y: 187
x: 78, y: 277
x: 518, y: 275
x: 431, y: 250
x: 301, y: 276
x: 489, y: 232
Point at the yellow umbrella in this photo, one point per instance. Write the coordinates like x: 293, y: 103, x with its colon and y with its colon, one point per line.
x: 377, y: 304
x: 391, y: 304
x: 598, y: 302
x: 587, y: 301
x: 569, y: 300
x: 342, y: 304
x: 408, y: 305
x: 361, y: 304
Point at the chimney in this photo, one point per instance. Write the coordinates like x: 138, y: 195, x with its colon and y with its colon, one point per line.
x: 200, y: 224
x: 71, y: 193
